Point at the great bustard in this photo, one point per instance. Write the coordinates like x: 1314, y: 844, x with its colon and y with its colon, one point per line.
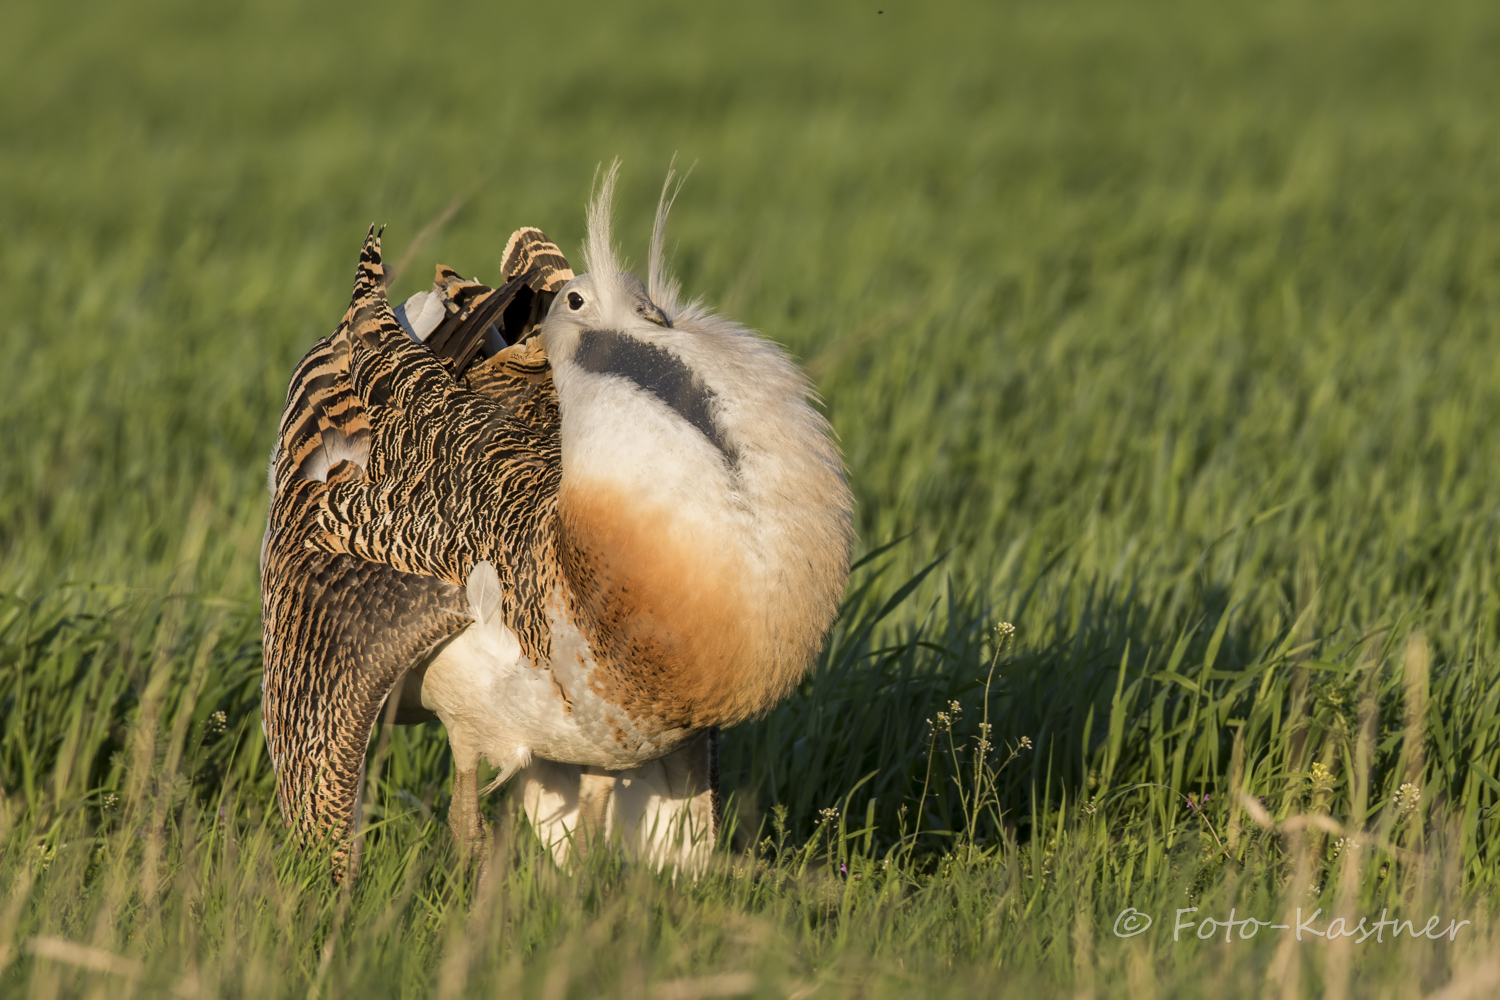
x: 623, y: 528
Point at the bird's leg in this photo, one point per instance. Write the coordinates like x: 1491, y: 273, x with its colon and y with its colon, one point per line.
x: 668, y: 815
x: 463, y: 812
x: 594, y: 792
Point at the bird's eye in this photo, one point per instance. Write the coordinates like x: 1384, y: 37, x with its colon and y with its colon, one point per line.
x: 575, y: 301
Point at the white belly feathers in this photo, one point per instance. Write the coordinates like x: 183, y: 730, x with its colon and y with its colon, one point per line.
x: 495, y: 703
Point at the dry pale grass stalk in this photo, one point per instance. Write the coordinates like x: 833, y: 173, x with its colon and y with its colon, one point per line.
x: 1481, y: 980
x: 83, y: 956
x: 1339, y: 959
x: 1083, y: 948
x: 1236, y: 789
x: 11, y: 915
x: 1283, y: 977
x: 725, y: 984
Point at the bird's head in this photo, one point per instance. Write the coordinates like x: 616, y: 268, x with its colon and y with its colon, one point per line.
x: 588, y: 302
x: 638, y: 370
x: 618, y: 355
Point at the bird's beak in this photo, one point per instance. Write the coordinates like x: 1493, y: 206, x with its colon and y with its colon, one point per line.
x: 651, y: 313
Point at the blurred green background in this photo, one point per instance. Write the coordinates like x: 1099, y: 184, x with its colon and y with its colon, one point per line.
x: 1063, y: 271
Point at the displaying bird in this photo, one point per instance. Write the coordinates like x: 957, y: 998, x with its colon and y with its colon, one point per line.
x: 582, y: 522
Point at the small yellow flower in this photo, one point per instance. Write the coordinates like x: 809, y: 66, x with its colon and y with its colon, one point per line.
x: 1321, y: 777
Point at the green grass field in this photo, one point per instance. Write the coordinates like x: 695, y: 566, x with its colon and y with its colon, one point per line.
x: 1165, y: 331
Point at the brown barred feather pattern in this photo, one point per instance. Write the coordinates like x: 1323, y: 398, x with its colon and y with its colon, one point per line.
x: 528, y: 251
x: 379, y: 513
x: 534, y: 269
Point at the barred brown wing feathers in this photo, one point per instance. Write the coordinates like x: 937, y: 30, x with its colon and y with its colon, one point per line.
x: 451, y: 470
x: 467, y: 475
x: 340, y: 632
x: 323, y: 422
x: 540, y: 266
x: 341, y: 629
x: 533, y: 269
x: 519, y: 379
x: 529, y: 253
x: 472, y: 310
x: 392, y: 480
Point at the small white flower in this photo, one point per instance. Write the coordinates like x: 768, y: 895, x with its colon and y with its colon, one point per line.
x: 1408, y: 797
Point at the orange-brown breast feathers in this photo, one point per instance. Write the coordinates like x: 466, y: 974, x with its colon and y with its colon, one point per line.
x: 676, y: 628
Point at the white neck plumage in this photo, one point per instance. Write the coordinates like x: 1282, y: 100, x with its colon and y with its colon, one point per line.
x: 711, y: 509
